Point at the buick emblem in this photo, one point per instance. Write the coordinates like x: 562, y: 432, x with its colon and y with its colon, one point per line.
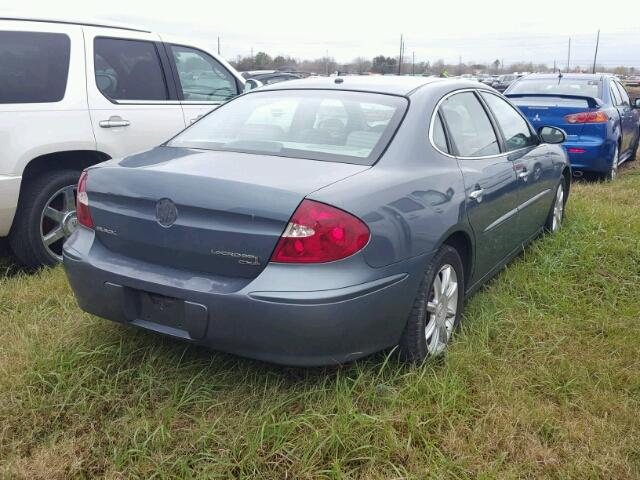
x: 166, y: 212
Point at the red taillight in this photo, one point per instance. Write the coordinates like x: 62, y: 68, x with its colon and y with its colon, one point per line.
x: 82, y: 205
x: 587, y: 117
x: 319, y: 233
x: 576, y: 150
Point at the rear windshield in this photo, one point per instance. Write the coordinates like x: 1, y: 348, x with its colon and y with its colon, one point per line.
x: 328, y: 125
x: 563, y: 86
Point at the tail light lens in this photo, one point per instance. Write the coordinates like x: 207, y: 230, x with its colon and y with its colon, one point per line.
x: 587, y: 117
x: 82, y: 205
x: 320, y: 233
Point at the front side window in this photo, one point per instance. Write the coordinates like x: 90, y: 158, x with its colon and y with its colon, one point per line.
x: 129, y: 70
x: 336, y: 126
x: 515, y: 129
x: 623, y: 94
x: 202, y: 77
x: 33, y: 67
x: 469, y: 127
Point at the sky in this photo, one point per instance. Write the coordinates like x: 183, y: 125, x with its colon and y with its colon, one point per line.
x: 475, y: 31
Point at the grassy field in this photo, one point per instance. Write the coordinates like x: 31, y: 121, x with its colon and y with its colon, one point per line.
x: 542, y: 382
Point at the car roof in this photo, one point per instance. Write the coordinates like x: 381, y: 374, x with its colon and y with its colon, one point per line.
x: 89, y: 23
x: 386, y: 84
x: 584, y: 76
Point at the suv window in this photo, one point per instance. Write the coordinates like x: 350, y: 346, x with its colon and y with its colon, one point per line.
x: 202, y: 77
x: 469, y: 127
x: 33, y: 67
x: 515, y: 129
x: 129, y: 70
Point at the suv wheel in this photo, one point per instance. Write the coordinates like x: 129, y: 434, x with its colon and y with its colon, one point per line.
x: 46, y: 217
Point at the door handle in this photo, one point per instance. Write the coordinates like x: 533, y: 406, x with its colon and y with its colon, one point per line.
x: 114, y: 122
x: 194, y: 120
x: 477, y: 195
x: 524, y: 174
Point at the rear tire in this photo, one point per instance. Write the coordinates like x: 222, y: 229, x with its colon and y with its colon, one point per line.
x: 612, y: 174
x: 26, y: 236
x: 556, y: 214
x: 437, y: 309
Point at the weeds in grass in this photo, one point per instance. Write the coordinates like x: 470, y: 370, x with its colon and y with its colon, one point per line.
x: 542, y: 381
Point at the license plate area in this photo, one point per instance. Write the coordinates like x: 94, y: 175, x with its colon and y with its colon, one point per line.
x: 163, y: 310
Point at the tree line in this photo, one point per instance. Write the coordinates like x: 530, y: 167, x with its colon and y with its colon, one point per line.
x: 389, y: 65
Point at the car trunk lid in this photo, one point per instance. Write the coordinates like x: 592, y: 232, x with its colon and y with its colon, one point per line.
x: 217, y: 212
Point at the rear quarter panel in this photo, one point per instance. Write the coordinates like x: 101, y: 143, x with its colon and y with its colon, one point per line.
x: 413, y: 198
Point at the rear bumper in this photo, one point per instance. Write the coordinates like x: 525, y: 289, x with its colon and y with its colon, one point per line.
x: 315, y: 325
x: 9, y: 194
x: 596, y: 157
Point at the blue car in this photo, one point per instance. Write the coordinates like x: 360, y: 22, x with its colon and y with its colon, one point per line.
x: 602, y: 126
x: 317, y: 221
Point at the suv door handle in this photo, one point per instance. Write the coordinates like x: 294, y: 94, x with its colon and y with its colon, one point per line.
x: 194, y: 120
x: 114, y: 122
x: 477, y: 195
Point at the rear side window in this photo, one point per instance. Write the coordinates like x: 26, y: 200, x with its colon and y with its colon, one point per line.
x: 469, y: 127
x: 615, y: 95
x: 515, y: 129
x: 33, y: 67
x: 439, y: 137
x: 202, y: 77
x: 129, y: 70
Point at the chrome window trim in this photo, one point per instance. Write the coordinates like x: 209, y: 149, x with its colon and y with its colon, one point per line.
x: 458, y: 157
x: 166, y: 102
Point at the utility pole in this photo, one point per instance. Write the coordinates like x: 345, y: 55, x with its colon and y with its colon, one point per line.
x: 218, y: 45
x: 413, y: 63
x: 554, y: 66
x: 595, y: 55
x: 569, y: 55
x: 400, y: 55
x: 326, y: 63
x: 460, y: 65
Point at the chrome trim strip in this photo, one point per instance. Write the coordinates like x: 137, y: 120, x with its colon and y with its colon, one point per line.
x: 534, y: 199
x: 502, y: 219
x: 433, y: 119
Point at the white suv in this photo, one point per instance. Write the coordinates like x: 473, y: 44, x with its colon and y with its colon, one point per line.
x: 73, y: 95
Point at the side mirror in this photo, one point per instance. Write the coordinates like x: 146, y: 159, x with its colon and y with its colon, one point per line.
x: 552, y: 135
x: 636, y: 103
x: 252, y: 84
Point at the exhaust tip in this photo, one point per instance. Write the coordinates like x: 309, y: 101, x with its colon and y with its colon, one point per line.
x: 577, y: 173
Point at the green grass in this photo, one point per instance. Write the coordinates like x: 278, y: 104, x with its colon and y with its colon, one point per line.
x: 543, y: 381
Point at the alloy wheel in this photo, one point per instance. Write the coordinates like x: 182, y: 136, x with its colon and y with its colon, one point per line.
x: 442, y: 309
x: 58, y: 220
x: 558, y: 209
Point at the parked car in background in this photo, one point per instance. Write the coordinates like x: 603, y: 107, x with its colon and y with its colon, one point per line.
x: 503, y: 82
x: 317, y: 221
x: 633, y: 81
x: 602, y: 126
x: 73, y: 95
x: 258, y: 80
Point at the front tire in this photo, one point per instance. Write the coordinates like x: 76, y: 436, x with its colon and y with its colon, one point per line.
x: 556, y: 214
x: 437, y: 309
x: 45, y: 218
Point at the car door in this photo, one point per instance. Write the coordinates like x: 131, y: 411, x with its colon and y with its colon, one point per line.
x: 133, y: 102
x: 628, y: 119
x: 489, y: 177
x: 203, y: 82
x: 536, y: 175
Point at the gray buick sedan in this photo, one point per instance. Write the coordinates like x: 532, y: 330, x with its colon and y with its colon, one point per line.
x: 318, y: 221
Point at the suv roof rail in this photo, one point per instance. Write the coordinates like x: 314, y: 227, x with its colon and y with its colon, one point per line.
x: 78, y: 22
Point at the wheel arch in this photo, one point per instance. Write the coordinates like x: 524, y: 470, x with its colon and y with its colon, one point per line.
x: 461, y: 241
x: 62, y: 160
